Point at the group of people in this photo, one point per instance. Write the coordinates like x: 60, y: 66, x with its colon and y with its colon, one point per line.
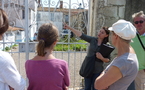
x: 46, y: 72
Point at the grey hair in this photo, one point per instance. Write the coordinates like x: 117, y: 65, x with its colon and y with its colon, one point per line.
x: 140, y: 13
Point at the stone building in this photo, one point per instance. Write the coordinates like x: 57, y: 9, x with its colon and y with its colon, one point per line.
x: 105, y: 13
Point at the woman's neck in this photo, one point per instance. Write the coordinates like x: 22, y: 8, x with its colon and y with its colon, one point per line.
x: 124, y: 48
x: 99, y: 41
x: 48, y: 52
x: 47, y: 56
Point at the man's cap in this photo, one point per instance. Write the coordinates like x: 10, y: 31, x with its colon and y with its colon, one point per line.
x: 124, y: 29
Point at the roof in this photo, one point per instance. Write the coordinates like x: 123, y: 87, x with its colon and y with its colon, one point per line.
x: 64, y: 10
x: 14, y: 28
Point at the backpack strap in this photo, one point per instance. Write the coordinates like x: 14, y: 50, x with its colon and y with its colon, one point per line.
x: 140, y: 41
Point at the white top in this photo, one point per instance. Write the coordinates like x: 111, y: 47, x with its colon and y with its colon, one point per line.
x: 9, y: 75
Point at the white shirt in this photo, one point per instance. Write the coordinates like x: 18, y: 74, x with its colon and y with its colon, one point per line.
x: 9, y: 75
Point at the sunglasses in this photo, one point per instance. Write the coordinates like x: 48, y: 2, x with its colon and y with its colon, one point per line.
x: 141, y: 21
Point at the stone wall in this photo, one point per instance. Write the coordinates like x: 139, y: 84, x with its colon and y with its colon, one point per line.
x: 111, y: 11
x: 104, y: 13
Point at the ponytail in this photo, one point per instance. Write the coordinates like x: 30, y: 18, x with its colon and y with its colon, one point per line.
x: 41, y: 47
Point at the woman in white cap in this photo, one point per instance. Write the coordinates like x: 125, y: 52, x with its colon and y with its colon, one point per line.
x: 123, y: 69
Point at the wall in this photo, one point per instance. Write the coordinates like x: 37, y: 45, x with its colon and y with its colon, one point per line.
x: 109, y: 11
x: 46, y: 17
x: 104, y: 13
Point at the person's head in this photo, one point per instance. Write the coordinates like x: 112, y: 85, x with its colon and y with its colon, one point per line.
x: 104, y: 34
x: 139, y: 21
x: 123, y: 31
x: 4, y: 23
x: 47, y: 38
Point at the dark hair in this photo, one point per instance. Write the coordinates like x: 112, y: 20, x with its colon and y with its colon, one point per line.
x: 106, y: 39
x: 47, y: 35
x: 4, y: 23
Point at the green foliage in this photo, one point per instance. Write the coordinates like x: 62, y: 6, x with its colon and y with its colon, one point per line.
x: 9, y: 48
x: 71, y: 47
x: 15, y: 45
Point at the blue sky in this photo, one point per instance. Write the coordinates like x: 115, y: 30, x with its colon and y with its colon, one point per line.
x: 74, y: 3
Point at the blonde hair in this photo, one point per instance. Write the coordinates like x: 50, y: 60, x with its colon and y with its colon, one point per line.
x: 47, y: 35
x: 141, y: 13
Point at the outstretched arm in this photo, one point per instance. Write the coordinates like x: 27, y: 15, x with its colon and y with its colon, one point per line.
x: 76, y: 32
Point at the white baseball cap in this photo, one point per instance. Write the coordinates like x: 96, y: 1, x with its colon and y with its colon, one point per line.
x: 124, y: 29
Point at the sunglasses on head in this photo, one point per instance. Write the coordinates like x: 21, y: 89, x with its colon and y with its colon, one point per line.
x: 141, y: 21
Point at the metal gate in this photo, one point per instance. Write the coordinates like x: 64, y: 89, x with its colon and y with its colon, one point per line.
x: 26, y: 16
